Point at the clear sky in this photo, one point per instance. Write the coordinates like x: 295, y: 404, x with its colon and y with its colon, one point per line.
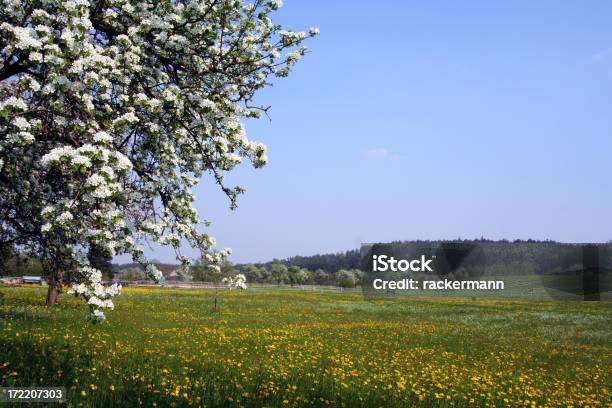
x: 429, y: 120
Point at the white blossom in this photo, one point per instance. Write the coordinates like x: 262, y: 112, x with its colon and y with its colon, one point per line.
x: 64, y: 217
x: 13, y: 103
x: 102, y: 137
x: 21, y: 123
x: 117, y: 112
x: 236, y: 282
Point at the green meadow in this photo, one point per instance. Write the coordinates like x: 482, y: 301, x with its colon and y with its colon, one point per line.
x: 281, y: 348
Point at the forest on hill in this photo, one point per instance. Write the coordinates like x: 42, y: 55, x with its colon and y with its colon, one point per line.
x: 501, y: 258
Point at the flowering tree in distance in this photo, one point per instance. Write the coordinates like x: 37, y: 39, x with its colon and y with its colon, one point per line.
x: 236, y: 282
x: 111, y: 111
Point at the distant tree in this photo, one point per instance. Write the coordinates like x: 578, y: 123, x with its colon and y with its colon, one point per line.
x: 198, y: 271
x: 305, y: 276
x: 266, y: 274
x: 252, y: 273
x: 20, y: 264
x: 346, y: 278
x: 279, y: 273
x: 184, y: 274
x: 321, y: 277
x: 227, y: 269
x: 298, y: 276
x: 203, y: 271
x: 6, y: 253
x: 358, y: 275
x: 329, y: 262
x: 293, y: 273
x: 132, y: 273
x: 101, y: 259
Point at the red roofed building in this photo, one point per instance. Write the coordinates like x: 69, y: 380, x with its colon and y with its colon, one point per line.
x: 169, y: 271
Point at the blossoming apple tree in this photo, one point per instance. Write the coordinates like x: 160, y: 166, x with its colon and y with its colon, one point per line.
x: 237, y: 282
x: 111, y: 111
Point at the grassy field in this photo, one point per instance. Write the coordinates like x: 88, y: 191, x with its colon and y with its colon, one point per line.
x: 164, y: 347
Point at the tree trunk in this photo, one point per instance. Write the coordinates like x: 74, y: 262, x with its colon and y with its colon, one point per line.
x: 53, y: 292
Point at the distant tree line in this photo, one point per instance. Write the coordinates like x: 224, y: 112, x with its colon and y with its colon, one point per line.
x: 279, y: 273
x: 330, y: 263
x: 500, y: 258
x: 276, y: 272
x: 14, y: 262
x: 342, y: 268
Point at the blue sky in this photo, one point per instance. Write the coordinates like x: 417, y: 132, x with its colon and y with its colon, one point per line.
x: 429, y: 120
